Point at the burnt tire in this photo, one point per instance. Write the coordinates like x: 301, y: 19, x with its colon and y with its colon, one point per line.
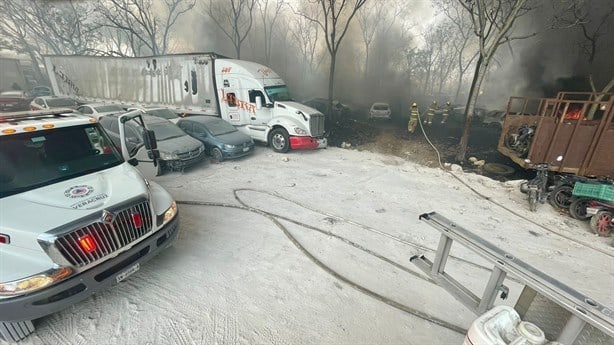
x: 577, y: 209
x: 601, y: 223
x: 561, y: 197
x: 533, y: 200
x: 279, y: 140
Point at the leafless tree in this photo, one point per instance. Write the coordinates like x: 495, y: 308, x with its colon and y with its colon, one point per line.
x: 334, y: 20
x: 465, y: 55
x: 594, y: 19
x: 376, y: 17
x: 234, y: 18
x: 269, y: 13
x: 493, y: 23
x: 35, y: 27
x: 147, y: 25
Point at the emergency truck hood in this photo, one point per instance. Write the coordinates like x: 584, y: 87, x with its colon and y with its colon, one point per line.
x: 295, y: 106
x: 46, y: 208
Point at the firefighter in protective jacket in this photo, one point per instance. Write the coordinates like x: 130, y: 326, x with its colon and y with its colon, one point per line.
x: 446, y: 112
x: 414, y: 117
x: 430, y: 114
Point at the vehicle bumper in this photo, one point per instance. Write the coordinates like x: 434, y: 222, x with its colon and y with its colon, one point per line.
x: 180, y: 164
x: 237, y: 153
x: 307, y: 143
x: 85, y: 284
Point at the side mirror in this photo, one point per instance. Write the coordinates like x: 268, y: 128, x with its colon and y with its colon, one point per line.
x: 258, y: 102
x: 268, y: 105
x: 150, y: 139
x: 134, y: 162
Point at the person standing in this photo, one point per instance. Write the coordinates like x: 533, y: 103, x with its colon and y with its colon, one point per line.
x: 446, y: 112
x: 430, y: 114
x: 414, y: 117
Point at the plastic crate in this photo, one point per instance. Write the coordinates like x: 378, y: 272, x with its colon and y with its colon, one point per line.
x: 597, y: 191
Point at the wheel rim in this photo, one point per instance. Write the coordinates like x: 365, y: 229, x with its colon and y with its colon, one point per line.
x: 604, y: 223
x: 279, y: 142
x: 580, y: 208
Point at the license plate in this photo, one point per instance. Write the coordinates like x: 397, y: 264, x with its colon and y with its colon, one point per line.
x: 125, y: 274
x: 245, y: 149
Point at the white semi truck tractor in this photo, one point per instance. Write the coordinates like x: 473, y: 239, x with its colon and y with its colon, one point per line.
x: 250, y: 96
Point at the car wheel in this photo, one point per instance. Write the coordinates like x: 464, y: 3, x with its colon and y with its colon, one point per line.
x: 601, y: 223
x: 279, y: 140
x: 217, y: 155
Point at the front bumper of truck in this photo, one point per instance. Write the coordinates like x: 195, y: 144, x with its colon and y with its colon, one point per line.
x: 79, y: 287
x: 307, y: 143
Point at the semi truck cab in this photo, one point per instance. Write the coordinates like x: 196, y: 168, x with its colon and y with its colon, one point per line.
x: 256, y: 100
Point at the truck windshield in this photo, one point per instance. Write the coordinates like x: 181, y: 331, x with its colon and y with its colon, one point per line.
x: 35, y: 159
x: 278, y: 93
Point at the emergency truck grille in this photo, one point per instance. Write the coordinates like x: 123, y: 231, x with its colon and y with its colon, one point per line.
x: 316, y: 125
x: 97, y: 240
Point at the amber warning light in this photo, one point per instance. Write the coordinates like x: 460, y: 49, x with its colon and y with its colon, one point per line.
x: 87, y: 243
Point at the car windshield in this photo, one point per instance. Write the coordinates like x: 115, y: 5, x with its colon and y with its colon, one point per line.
x: 380, y: 107
x: 34, y: 159
x: 166, y: 130
x: 108, y: 108
x: 278, y: 93
x: 219, y: 127
x: 61, y: 102
x: 163, y: 113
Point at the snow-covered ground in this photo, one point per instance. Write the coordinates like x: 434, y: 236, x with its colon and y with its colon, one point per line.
x: 235, y: 277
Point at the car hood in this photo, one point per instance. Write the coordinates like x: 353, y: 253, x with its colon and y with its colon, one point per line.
x: 27, y: 215
x: 234, y: 138
x: 184, y: 143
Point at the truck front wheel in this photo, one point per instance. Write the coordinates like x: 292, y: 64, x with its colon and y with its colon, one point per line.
x: 279, y: 140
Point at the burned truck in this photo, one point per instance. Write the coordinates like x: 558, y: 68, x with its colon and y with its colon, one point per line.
x: 572, y: 137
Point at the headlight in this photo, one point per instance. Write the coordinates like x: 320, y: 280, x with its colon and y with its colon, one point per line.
x: 168, y: 156
x: 170, y: 213
x: 300, y: 131
x: 229, y: 147
x: 35, y: 282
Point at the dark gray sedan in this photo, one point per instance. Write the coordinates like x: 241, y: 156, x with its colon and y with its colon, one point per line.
x: 222, y: 140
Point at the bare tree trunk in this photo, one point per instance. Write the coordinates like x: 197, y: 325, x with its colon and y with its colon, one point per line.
x: 478, y: 76
x: 331, y: 84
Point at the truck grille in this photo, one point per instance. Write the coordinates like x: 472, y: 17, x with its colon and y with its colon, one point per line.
x: 316, y: 125
x: 108, y: 238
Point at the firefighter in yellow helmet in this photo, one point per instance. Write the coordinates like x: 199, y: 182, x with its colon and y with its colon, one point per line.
x: 446, y: 112
x: 414, y: 117
x: 430, y: 114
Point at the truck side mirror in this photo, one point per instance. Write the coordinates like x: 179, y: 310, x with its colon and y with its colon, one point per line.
x: 258, y: 102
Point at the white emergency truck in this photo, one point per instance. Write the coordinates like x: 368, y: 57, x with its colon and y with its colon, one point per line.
x: 75, y: 215
x: 250, y: 96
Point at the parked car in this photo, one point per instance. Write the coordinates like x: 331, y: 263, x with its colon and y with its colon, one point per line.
x: 14, y: 100
x: 321, y: 104
x: 96, y: 110
x: 177, y: 149
x: 39, y: 91
x: 380, y: 111
x: 46, y: 102
x: 164, y: 113
x: 222, y: 140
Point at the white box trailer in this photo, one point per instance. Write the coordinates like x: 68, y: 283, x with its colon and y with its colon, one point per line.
x: 250, y: 96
